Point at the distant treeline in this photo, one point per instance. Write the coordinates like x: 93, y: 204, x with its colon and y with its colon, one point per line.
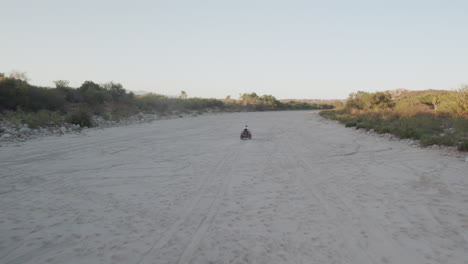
x: 111, y: 100
x: 434, y: 117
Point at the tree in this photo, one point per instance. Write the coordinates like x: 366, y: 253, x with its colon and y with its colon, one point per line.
x: 381, y: 100
x: 183, y: 95
x: 93, y: 93
x: 61, y: 84
x: 9, y: 94
x: 247, y: 98
x: 87, y: 85
x: 116, y: 90
x: 271, y: 101
x: 366, y: 101
x: 355, y: 100
x: 19, y: 75
x: 431, y: 100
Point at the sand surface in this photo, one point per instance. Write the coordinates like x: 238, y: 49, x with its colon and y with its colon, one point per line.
x: 303, y: 190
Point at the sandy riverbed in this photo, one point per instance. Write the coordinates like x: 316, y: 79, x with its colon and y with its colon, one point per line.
x: 303, y: 190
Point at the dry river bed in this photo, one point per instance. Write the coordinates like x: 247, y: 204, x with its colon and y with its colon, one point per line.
x: 303, y: 190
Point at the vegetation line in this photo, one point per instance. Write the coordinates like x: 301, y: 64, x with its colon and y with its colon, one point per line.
x: 25, y: 104
x: 433, y: 117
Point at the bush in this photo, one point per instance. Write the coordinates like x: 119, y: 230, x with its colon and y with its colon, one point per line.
x: 351, y: 123
x: 115, y: 90
x: 80, y: 117
x: 446, y: 140
x: 153, y: 102
x: 461, y: 102
x: 43, y: 98
x: 93, y: 94
x: 17, y: 94
x: 360, y: 125
x: 42, y: 118
x: 463, y: 145
x: 123, y: 111
x: 71, y: 95
x: 366, y: 101
x: 45, y: 118
x: 407, y: 119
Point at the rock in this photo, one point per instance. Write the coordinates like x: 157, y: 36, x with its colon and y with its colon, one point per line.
x: 387, y: 136
x: 5, y: 136
x: 63, y: 130
x: 25, y: 130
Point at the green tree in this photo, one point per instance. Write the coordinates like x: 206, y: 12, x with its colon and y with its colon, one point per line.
x: 431, y: 100
x: 381, y: 100
x: 366, y: 101
x: 270, y: 101
x: 8, y: 94
x: 93, y: 93
x: 116, y: 90
x: 356, y: 100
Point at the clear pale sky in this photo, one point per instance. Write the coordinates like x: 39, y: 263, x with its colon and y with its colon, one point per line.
x: 290, y: 49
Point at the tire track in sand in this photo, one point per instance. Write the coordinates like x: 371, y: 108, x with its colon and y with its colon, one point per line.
x: 208, y: 219
x: 172, y: 246
x: 354, y: 231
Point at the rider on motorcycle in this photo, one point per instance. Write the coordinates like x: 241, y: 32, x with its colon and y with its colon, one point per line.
x: 246, y: 133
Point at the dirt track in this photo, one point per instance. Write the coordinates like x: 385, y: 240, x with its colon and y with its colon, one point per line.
x: 304, y: 190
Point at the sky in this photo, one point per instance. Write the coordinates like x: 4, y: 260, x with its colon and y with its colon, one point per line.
x: 215, y: 48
